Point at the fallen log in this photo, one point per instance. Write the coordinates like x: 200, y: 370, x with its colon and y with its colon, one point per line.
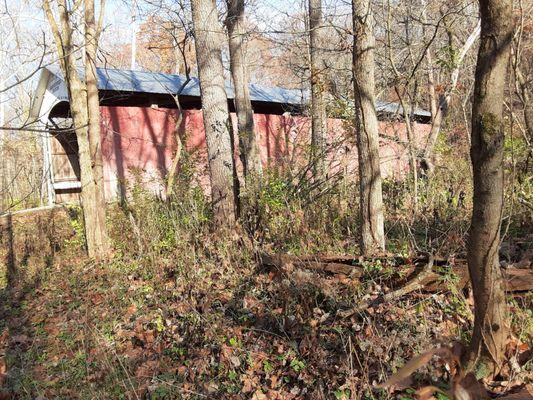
x: 434, y: 280
x: 518, y: 280
x: 523, y: 393
x: 324, y: 264
x: 416, y: 283
x: 5, y: 217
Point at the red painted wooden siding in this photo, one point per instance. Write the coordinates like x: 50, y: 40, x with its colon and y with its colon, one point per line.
x: 138, y: 143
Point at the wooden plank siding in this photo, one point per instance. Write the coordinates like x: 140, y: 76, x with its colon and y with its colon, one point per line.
x: 138, y: 144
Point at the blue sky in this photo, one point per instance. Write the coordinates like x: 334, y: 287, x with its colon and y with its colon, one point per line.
x: 119, y: 12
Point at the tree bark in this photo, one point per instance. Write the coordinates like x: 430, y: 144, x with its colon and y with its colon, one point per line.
x: 372, y: 237
x: 491, y: 324
x: 248, y: 141
x: 412, y: 148
x: 523, y: 89
x: 439, y: 106
x: 98, y: 210
x: 87, y: 130
x: 217, y: 124
x: 319, y: 118
x: 406, y: 112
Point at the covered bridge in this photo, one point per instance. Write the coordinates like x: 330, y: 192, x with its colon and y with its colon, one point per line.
x: 138, y: 120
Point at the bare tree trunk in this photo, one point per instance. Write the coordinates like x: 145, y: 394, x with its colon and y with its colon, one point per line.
x: 98, y: 207
x: 248, y: 142
x: 370, y: 193
x: 406, y: 113
x: 434, y: 101
x: 491, y: 324
x: 523, y: 89
x: 181, y: 54
x: 217, y: 125
x: 439, y: 108
x: 171, y: 176
x: 528, y: 106
x: 84, y: 108
x: 319, y: 117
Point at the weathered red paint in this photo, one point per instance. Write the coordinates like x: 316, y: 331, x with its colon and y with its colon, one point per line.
x: 138, y: 143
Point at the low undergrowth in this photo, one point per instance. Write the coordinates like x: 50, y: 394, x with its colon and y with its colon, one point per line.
x: 223, y: 328
x: 180, y: 312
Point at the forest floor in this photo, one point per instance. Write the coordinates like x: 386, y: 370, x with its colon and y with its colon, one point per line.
x: 222, y: 327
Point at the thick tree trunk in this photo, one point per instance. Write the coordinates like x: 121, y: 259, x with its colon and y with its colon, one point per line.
x: 208, y: 34
x: 87, y: 131
x: 491, y: 324
x: 98, y: 239
x: 370, y: 194
x: 248, y: 142
x: 319, y: 118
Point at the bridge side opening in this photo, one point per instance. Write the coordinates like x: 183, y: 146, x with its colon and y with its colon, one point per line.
x: 64, y: 159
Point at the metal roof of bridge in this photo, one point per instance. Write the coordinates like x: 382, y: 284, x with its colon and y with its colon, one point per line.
x: 159, y: 83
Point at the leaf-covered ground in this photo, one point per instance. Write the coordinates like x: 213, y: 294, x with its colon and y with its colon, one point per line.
x: 215, y: 324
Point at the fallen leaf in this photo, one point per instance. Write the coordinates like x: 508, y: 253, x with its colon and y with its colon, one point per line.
x: 235, y: 361
x: 259, y: 395
x: 131, y: 310
x: 20, y: 339
x: 414, y: 364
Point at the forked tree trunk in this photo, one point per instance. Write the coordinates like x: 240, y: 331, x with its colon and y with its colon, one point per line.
x: 208, y: 34
x: 491, y: 324
x: 248, y: 141
x: 319, y: 118
x: 370, y: 193
x: 84, y: 108
x: 440, y: 104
